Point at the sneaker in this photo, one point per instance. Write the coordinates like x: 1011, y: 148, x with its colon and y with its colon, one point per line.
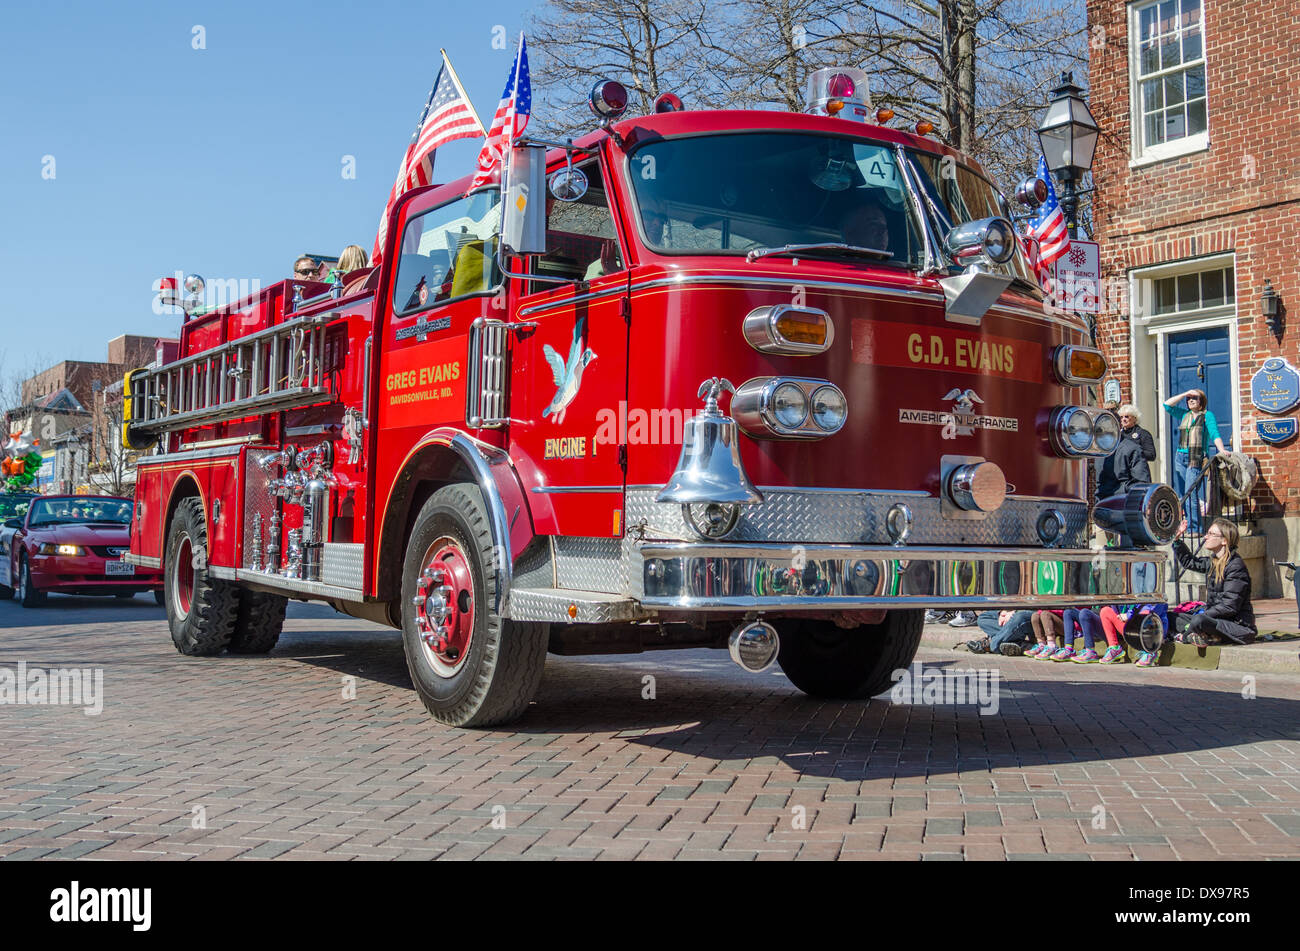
x: 1146, y: 659
x: 978, y: 646
x: 1114, y: 655
x: 937, y: 617
x: 1047, y: 652
x: 1063, y: 654
x: 1087, y: 656
x: 1035, y: 650
x: 964, y: 619
x: 1010, y: 649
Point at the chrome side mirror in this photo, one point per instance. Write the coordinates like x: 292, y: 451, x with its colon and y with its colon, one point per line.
x: 523, y: 219
x: 569, y: 184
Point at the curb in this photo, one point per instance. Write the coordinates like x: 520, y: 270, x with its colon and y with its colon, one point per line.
x: 1273, y: 657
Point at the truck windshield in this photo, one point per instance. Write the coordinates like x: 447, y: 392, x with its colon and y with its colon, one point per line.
x: 955, y: 194
x: 742, y: 192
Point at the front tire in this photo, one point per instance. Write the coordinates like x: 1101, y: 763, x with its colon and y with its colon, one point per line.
x: 27, y: 592
x: 833, y: 663
x: 201, y: 610
x: 470, y: 667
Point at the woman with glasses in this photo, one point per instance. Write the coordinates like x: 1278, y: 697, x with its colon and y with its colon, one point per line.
x: 1228, y: 612
x: 1129, y: 419
x: 1197, y: 428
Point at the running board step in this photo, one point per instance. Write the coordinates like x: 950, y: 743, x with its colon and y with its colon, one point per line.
x: 561, y: 606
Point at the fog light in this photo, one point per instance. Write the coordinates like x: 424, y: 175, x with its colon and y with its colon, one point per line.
x: 754, y: 646
x: 712, y: 519
x: 1051, y: 527
x: 898, y: 523
x: 1151, y: 633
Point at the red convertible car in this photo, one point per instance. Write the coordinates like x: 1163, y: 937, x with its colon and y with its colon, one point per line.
x: 72, y: 544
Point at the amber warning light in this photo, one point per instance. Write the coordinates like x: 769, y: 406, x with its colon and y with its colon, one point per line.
x: 842, y: 92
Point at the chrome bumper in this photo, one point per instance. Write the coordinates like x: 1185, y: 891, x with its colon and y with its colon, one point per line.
x: 697, y: 577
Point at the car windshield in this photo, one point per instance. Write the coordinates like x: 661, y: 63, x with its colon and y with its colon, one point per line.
x: 80, y: 511
x: 734, y: 194
x: 954, y: 194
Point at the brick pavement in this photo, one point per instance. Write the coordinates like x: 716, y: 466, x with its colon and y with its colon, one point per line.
x: 269, y: 760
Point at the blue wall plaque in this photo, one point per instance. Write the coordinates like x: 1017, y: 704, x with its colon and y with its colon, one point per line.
x: 1276, y: 430
x: 1275, y: 388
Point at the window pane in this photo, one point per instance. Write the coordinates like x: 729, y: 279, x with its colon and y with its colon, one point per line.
x: 1196, y: 117
x: 1149, y: 58
x: 1174, y: 90
x: 1155, y: 128
x: 1195, y: 82
x: 1229, y: 285
x: 1168, y: 16
x: 1191, y: 11
x: 1191, y: 45
x: 1189, y: 295
x: 1164, y: 293
x: 1212, y: 289
x: 1175, y: 124
x: 1169, y: 52
x: 1151, y: 95
x: 1147, y: 23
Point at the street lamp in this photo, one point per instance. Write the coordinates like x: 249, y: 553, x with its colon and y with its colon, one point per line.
x: 1068, y: 137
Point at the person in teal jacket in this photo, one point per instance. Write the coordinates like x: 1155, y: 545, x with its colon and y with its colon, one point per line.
x: 1197, y: 428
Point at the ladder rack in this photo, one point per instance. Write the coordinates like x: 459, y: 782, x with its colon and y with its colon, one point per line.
x: 278, y: 368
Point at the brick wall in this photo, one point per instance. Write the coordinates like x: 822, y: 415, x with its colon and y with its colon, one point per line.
x: 1240, y: 195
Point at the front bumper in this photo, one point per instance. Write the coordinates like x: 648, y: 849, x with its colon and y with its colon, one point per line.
x: 696, y: 577
x: 71, y: 573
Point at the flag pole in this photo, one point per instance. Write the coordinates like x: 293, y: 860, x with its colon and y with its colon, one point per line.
x: 461, y: 89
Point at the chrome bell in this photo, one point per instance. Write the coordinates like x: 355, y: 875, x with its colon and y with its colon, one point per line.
x: 709, y: 468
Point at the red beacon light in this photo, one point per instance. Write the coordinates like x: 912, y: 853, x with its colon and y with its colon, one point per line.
x: 669, y: 102
x: 608, y: 100
x: 842, y: 92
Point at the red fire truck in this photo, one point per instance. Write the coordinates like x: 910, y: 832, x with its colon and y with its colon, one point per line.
x: 761, y: 381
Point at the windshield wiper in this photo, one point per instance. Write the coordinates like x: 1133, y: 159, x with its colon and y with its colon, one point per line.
x: 832, y: 246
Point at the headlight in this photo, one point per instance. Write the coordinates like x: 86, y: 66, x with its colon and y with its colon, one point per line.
x: 789, y: 405
x: 829, y: 408
x: 1077, y: 426
x: 50, y: 549
x: 1105, y: 431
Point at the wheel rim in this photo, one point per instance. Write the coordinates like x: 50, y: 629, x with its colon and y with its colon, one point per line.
x: 444, y: 607
x: 182, y: 577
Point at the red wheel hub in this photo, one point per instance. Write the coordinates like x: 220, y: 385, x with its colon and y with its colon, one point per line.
x: 444, y: 606
x: 183, y: 572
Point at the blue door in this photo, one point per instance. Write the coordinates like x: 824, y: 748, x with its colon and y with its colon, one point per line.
x: 1200, y: 360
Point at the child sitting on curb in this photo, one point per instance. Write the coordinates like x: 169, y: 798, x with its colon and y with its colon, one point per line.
x: 1047, y: 629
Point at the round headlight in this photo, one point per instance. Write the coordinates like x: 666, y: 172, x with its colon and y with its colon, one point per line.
x: 999, y: 241
x: 789, y: 405
x: 1105, y: 430
x: 829, y: 409
x: 1077, y: 428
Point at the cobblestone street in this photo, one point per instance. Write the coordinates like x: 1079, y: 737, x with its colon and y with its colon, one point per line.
x: 267, y: 757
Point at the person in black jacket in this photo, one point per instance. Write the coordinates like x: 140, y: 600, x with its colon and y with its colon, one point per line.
x: 1228, y: 612
x: 1129, y: 417
x: 1124, y: 468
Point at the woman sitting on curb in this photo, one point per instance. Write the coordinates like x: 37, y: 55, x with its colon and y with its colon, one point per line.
x: 1228, y: 612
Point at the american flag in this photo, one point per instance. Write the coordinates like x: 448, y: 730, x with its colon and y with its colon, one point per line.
x: 509, y: 121
x: 1047, y: 226
x: 447, y: 116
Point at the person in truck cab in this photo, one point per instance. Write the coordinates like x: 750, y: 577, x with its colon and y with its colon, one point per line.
x: 865, y: 226
x: 306, y: 268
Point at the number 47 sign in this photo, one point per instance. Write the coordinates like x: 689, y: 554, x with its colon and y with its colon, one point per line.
x: 1078, y: 277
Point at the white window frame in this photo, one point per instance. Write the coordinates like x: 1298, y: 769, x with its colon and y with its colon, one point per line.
x: 1149, y: 346
x: 1164, y: 151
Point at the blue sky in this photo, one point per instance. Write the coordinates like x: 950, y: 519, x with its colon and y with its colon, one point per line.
x: 226, y: 161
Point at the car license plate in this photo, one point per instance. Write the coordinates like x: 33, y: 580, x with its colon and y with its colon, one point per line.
x: 118, y: 568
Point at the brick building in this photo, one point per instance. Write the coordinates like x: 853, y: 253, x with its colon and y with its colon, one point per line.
x: 1197, y: 205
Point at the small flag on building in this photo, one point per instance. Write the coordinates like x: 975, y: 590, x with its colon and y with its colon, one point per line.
x: 447, y: 116
x: 1047, y: 226
x: 509, y: 121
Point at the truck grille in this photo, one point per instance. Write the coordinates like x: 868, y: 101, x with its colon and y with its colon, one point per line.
x: 486, y: 397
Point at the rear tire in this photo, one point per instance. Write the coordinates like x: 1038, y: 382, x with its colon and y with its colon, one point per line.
x: 258, y: 623
x: 124, y: 595
x: 27, y: 592
x: 833, y: 663
x: 492, y: 667
x: 160, y: 597
x: 201, y: 610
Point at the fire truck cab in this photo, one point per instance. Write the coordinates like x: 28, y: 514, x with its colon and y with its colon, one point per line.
x: 768, y: 382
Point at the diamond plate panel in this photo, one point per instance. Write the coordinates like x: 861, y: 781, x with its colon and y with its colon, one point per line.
x: 552, y: 605
x: 533, y: 568
x: 590, y: 564
x: 342, y: 566
x: 857, y: 518
x: 258, y: 500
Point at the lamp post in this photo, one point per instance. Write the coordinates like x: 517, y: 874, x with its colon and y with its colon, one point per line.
x: 1068, y: 137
